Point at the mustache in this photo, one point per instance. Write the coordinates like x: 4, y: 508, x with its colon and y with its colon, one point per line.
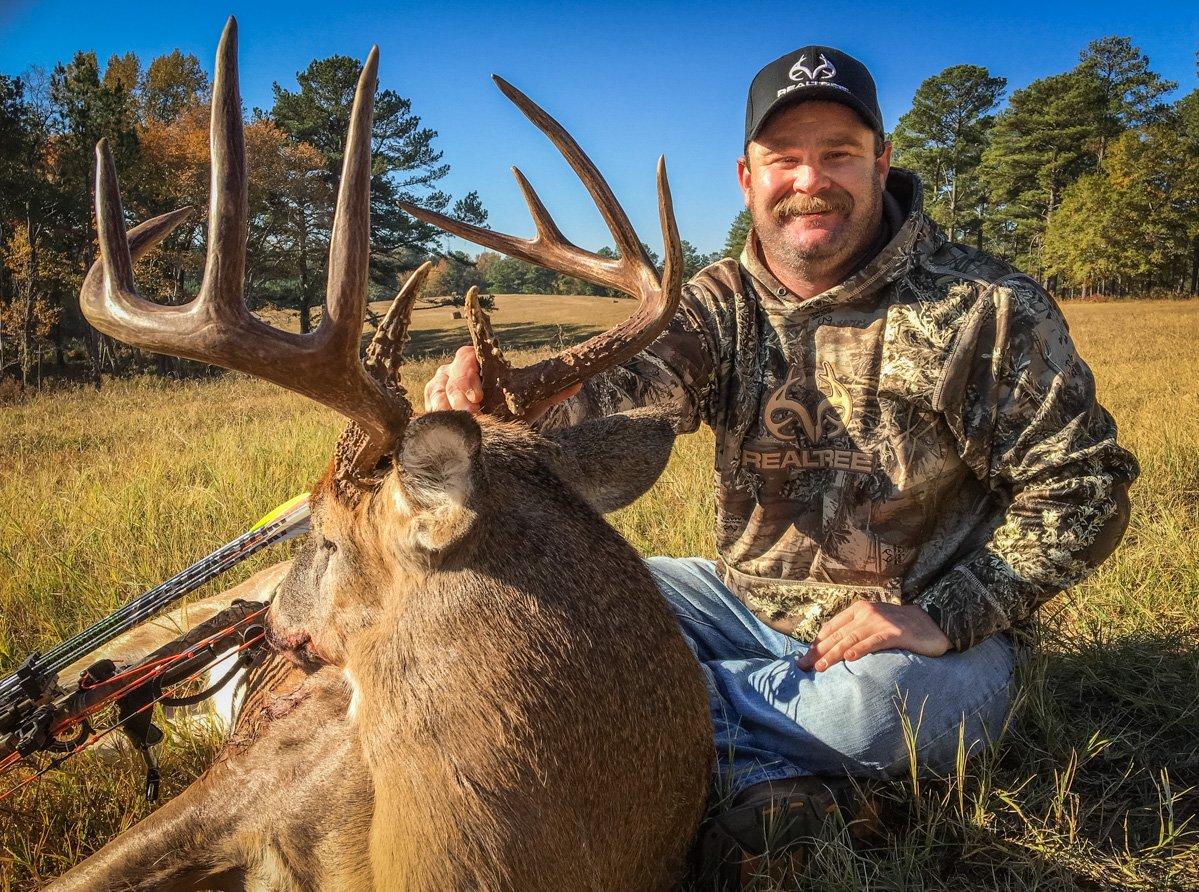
x: 796, y: 204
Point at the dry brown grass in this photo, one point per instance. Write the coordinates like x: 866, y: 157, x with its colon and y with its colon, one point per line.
x: 104, y: 495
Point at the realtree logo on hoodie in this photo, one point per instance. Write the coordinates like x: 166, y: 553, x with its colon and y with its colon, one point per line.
x: 807, y: 413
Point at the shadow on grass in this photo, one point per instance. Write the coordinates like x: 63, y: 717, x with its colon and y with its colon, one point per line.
x: 512, y: 336
x: 1094, y: 785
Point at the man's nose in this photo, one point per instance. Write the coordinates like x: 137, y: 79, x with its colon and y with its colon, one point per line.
x: 810, y: 179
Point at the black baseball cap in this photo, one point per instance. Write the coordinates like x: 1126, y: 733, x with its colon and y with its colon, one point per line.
x: 812, y: 72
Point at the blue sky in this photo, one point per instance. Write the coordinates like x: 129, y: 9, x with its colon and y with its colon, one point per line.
x: 629, y: 80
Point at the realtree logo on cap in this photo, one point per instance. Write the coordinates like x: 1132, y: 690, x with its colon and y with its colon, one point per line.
x: 822, y: 72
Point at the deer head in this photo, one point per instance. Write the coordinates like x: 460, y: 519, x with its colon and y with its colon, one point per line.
x: 399, y: 493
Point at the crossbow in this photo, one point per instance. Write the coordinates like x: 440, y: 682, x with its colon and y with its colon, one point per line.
x: 43, y: 712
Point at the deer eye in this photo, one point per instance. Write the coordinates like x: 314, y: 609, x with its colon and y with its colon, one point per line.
x: 328, y: 545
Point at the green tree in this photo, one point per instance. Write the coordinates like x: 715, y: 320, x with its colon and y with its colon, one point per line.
x: 694, y: 260
x: 406, y: 165
x: 1041, y: 143
x: 942, y: 138
x: 469, y: 209
x: 508, y: 275
x: 17, y: 179
x: 1134, y: 224
x: 16, y: 141
x: 173, y: 82
x: 738, y: 232
x: 1131, y: 94
x: 1080, y: 246
x: 123, y: 73
x: 86, y: 109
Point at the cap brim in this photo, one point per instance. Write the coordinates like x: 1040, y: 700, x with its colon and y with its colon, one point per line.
x: 823, y: 94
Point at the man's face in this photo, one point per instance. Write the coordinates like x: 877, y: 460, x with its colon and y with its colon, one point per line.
x: 814, y: 188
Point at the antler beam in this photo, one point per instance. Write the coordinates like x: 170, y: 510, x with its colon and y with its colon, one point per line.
x: 516, y: 389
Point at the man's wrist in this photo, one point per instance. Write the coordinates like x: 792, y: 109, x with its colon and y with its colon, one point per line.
x: 934, y: 613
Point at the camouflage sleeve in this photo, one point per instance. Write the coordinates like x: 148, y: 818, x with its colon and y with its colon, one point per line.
x: 677, y: 371
x: 1023, y: 409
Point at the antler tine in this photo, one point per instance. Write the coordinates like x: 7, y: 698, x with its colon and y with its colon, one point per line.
x: 672, y: 245
x: 494, y: 369
x: 118, y: 250
x: 627, y: 243
x: 228, y: 217
x: 549, y: 247
x: 509, y: 390
x: 356, y: 455
x: 548, y: 232
x: 349, y: 245
x: 658, y: 302
x: 216, y: 326
x: 385, y: 352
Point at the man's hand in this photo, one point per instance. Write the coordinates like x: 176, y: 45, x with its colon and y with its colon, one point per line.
x: 866, y: 626
x: 457, y: 386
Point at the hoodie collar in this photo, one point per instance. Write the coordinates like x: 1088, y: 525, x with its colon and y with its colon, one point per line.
x: 912, y: 235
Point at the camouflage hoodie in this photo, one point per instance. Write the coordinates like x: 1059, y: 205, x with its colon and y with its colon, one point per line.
x: 924, y: 432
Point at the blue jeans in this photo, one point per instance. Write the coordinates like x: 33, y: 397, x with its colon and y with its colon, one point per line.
x: 774, y: 721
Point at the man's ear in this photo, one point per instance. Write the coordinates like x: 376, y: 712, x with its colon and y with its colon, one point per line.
x: 882, y: 164
x: 743, y: 177
x: 436, y: 474
x: 612, y: 461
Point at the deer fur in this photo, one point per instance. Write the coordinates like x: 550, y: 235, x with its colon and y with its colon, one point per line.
x: 526, y: 714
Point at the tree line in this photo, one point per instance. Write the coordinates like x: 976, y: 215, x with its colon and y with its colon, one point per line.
x: 493, y: 273
x: 1087, y: 179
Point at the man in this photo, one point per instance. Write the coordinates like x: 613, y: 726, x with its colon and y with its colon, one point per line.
x: 910, y: 458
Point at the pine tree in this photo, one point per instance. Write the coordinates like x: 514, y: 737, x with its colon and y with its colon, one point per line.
x: 1041, y: 143
x: 738, y: 232
x: 406, y: 165
x: 694, y: 260
x: 942, y: 138
x: 85, y: 110
x: 1131, y: 93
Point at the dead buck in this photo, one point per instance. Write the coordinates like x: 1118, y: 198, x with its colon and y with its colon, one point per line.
x: 525, y: 714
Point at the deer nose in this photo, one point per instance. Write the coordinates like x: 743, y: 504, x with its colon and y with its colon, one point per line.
x: 283, y: 641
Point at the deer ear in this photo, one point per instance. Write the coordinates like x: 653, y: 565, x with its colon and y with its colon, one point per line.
x: 611, y: 461
x: 436, y: 473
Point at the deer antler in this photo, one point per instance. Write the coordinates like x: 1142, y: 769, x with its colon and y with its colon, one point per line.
x: 217, y: 327
x: 509, y: 390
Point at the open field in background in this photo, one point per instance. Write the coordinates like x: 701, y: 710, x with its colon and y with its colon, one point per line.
x: 1095, y: 785
x: 528, y: 321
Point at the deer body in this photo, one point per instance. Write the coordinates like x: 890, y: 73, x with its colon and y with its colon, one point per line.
x: 504, y: 700
x: 507, y: 730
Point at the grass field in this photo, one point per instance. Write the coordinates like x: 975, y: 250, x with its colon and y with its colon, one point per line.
x: 1095, y: 784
